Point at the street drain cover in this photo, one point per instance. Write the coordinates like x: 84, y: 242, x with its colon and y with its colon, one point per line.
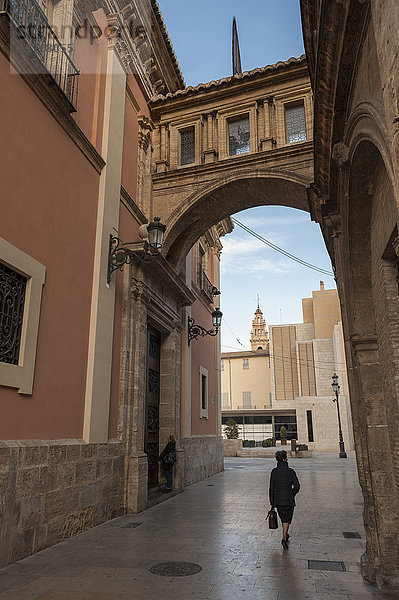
x: 130, y: 525
x: 175, y: 569
x: 326, y: 565
x: 351, y: 534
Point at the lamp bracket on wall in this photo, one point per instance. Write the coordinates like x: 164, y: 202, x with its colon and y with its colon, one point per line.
x: 195, y: 331
x: 120, y: 255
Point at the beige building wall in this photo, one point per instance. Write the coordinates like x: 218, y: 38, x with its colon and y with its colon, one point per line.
x: 316, y: 349
x: 238, y: 382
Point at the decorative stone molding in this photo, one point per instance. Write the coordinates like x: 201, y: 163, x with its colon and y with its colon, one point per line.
x: 333, y: 223
x: 146, y: 127
x: 364, y: 343
x: 340, y: 154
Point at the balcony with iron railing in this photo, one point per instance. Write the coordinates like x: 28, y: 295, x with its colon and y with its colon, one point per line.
x: 34, y: 49
x: 206, y: 286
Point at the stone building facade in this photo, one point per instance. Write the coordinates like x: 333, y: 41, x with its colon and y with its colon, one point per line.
x: 352, y: 50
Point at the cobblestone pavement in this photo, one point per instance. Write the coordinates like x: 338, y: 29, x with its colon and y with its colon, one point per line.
x: 220, y: 525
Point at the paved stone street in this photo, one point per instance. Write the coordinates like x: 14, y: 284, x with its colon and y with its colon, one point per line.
x: 218, y: 524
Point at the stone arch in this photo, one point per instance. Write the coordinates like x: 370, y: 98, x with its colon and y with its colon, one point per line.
x: 226, y: 196
x: 367, y: 276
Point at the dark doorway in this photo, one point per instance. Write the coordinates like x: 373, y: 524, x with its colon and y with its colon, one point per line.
x: 151, y: 445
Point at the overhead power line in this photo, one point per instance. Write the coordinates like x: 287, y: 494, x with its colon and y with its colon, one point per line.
x: 284, y: 252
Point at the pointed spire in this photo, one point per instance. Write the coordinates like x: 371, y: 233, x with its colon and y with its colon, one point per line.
x: 236, y: 50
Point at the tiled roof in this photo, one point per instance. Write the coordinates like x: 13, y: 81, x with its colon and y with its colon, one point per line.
x: 226, y: 80
x: 164, y: 31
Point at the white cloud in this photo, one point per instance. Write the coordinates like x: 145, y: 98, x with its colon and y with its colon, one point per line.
x: 253, y: 265
x: 255, y: 222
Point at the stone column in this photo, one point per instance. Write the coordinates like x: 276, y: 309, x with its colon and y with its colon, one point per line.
x: 163, y: 163
x: 371, y: 429
x: 137, y: 477
x: 266, y: 134
x: 144, y: 180
x: 210, y: 154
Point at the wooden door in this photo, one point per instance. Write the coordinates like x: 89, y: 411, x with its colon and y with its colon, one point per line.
x: 152, y: 404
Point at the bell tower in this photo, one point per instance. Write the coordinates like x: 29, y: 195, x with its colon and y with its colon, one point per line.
x: 259, y: 335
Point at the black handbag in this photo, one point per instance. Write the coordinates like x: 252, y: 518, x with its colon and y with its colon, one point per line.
x: 272, y: 516
x: 170, y: 458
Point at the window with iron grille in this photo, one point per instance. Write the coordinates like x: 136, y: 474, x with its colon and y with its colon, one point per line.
x: 239, y: 136
x: 246, y: 400
x: 295, y: 123
x: 12, y: 302
x: 245, y: 363
x: 187, y: 146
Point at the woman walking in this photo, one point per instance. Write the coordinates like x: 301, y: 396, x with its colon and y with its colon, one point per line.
x: 284, y: 486
x: 168, y: 459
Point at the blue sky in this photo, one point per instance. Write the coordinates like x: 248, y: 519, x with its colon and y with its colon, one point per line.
x: 200, y: 31
x: 268, y: 31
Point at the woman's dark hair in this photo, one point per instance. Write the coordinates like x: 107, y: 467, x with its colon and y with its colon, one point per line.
x: 281, y: 455
x: 172, y: 438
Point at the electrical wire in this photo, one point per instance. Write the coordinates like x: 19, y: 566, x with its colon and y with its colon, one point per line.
x: 284, y: 252
x: 241, y: 344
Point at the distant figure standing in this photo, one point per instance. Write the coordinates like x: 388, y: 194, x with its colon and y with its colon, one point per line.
x: 168, y: 459
x: 284, y: 486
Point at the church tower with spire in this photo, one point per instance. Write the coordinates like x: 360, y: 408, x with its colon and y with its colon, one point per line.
x: 259, y: 335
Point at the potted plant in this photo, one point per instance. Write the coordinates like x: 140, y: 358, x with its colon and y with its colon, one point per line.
x: 231, y: 430
x: 283, y: 435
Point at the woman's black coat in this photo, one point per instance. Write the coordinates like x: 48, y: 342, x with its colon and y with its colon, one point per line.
x: 284, y: 485
x: 170, y: 447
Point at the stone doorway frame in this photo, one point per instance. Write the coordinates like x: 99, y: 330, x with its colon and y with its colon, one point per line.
x: 154, y: 294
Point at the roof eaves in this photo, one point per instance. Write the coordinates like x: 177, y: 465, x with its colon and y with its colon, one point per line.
x: 191, y: 90
x: 168, y: 43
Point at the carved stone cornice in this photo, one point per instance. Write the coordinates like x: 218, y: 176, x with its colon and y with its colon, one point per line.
x: 333, y: 223
x: 146, y: 127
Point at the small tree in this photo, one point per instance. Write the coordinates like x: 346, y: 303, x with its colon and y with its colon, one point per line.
x: 283, y: 433
x: 231, y: 430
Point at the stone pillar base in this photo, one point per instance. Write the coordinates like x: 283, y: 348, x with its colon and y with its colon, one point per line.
x: 137, y: 493
x: 382, y: 579
x: 210, y: 156
x: 266, y: 144
x: 178, y: 476
x: 161, y: 166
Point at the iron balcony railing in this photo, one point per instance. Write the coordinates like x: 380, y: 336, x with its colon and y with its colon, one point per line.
x: 206, y: 286
x: 31, y: 25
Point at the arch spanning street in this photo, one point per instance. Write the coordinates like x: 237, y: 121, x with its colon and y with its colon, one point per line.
x: 358, y: 221
x: 192, y: 198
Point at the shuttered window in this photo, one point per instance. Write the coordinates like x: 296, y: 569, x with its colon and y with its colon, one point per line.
x: 246, y: 400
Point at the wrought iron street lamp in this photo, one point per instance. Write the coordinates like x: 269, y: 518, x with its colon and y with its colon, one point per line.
x: 119, y: 254
x: 195, y: 330
x: 336, y: 388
